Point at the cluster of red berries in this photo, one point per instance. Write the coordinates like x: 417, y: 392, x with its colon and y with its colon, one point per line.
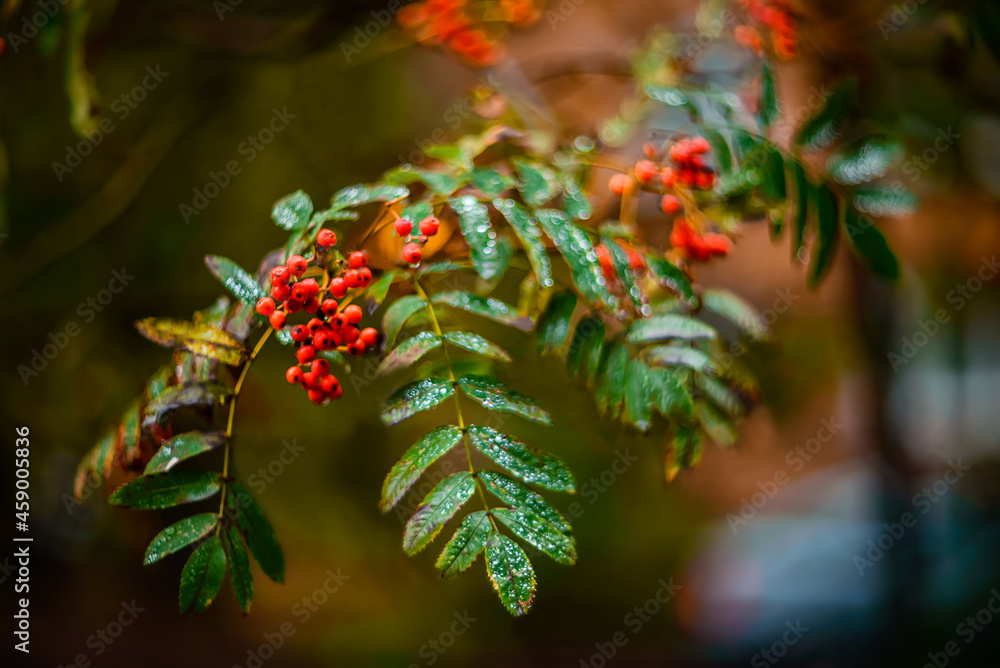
x: 777, y: 16
x: 448, y: 23
x: 332, y: 327
x: 695, y: 246
x: 687, y: 168
x: 412, y: 251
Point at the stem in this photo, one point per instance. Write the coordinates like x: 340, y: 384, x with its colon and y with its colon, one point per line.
x: 228, y: 451
x: 458, y: 403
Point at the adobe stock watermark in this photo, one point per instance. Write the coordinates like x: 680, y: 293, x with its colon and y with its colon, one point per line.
x: 916, y: 166
x: 922, y: 502
x: 87, y: 310
x: 783, y: 300
x: 634, y: 621
x: 779, y: 648
x: 249, y: 148
x: 265, y: 475
x: 363, y: 35
x: 967, y: 630
x: 897, y: 17
x: 104, y: 637
x: 958, y: 297
x: 303, y: 611
x: 435, y: 648
x: 796, y: 458
x: 122, y: 106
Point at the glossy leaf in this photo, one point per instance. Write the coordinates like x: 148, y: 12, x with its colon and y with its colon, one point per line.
x: 537, y: 182
x: 474, y: 220
x: 292, y: 212
x: 179, y: 535
x: 511, y: 573
x: 184, y: 446
x: 239, y: 571
x: 638, y: 395
x: 865, y: 160
x: 538, y: 533
x: 827, y: 217
x: 477, y: 344
x: 361, y: 194
x: 527, y: 463
x: 891, y: 202
x: 490, y: 181
x: 680, y: 356
x: 518, y: 495
x: 821, y: 129
x: 396, y: 316
x: 439, y: 506
x: 202, y: 576
x: 577, y: 250
x: 869, y: 245
x: 258, y: 532
x: 494, y: 309
x: 589, y: 333
x: 610, y: 395
x: 376, y: 293
x: 243, y: 286
x: 190, y: 394
x: 720, y: 150
x: 464, y: 547
x: 199, y: 339
x: 624, y: 272
x: 166, y: 490
x: 736, y: 310
x: 496, y: 396
x: 440, y: 183
x: 421, y: 395
x: 408, y: 352
x: 527, y: 230
x: 554, y: 325
x: 716, y: 424
x: 721, y: 395
x: 671, y: 395
x: 801, y: 205
x: 431, y: 447
x: 672, y: 276
x: 669, y: 326
x: 575, y: 201
x: 670, y: 96
x: 768, y: 110
x: 683, y: 451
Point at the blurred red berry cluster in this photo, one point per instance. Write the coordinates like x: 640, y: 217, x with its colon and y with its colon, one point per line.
x: 332, y: 327
x: 461, y: 27
x: 695, y: 246
x: 774, y: 16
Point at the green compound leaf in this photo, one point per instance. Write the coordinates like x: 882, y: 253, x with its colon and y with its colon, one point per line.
x: 165, y: 491
x: 716, y: 424
x: 589, y: 333
x: 293, y: 211
x: 494, y: 309
x: 610, y: 394
x: 554, y: 325
x: 439, y: 506
x: 538, y: 533
x: 486, y: 249
x: 669, y: 326
x: 538, y: 183
x: 361, y: 194
x: 408, y: 352
x: 890, y: 202
x: 768, y: 111
x: 239, y: 572
x: 243, y: 286
x: 575, y: 201
x: 736, y: 310
x: 202, y: 576
x: 800, y: 206
x: 189, y: 394
x: 178, y: 536
x: 377, y: 291
x: 439, y: 183
x: 496, y: 396
x: 684, y: 451
x: 721, y: 395
x: 671, y: 395
x: 477, y: 344
x: 431, y: 447
x: 421, y: 395
x: 827, y: 226
x: 397, y: 315
x: 869, y: 245
x: 671, y: 275
x: 865, y: 160
x: 184, y: 446
x: 821, y: 129
x: 527, y: 463
x: 203, y: 340
x: 258, y: 532
x: 623, y: 269
x: 680, y: 356
x: 638, y: 394
x: 464, y: 547
x: 577, y: 250
x: 490, y: 181
x: 518, y: 495
x: 511, y: 573
x: 530, y: 234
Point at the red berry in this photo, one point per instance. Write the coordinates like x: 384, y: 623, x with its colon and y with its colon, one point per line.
x: 619, y: 184
x: 705, y: 180
x: 320, y: 367
x: 310, y: 381
x: 356, y: 348
x: 670, y: 205
x: 338, y: 287
x: 340, y: 320
x: 365, y: 276
x: 281, y: 292
x: 294, y: 375
x: 324, y: 340
x: 305, y: 354
x: 700, y: 145
x: 279, y: 276
x: 349, y: 334
x: 357, y: 259
x: 329, y: 307
x: 311, y: 305
x: 352, y: 278
x: 326, y: 238
x: 353, y: 313
x: 314, y: 325
x: 338, y: 391
x: 369, y: 336
x: 412, y: 253
x: 645, y: 170
x: 300, y: 292
x: 649, y: 150
x: 403, y: 226
x: 429, y: 226
x: 293, y: 306
x: 668, y: 176
x: 277, y: 319
x: 311, y: 285
x: 297, y: 265
x: 265, y: 306
x: 317, y: 397
x: 300, y: 333
x: 329, y: 384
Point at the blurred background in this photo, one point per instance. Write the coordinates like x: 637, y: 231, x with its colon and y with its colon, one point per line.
x: 855, y: 524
